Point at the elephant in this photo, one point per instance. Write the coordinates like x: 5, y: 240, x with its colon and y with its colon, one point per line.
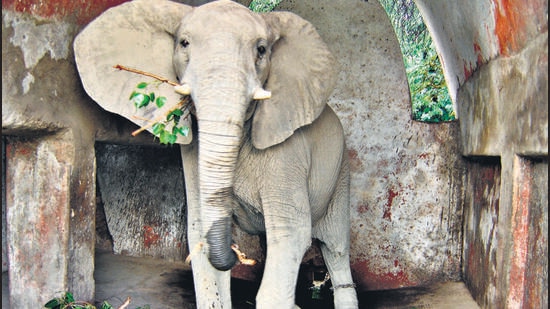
x: 265, y: 150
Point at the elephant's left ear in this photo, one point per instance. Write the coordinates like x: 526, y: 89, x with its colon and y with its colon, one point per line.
x: 136, y: 34
x: 302, y: 76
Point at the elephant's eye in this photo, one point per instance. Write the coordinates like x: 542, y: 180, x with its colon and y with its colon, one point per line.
x: 184, y: 43
x: 261, y: 50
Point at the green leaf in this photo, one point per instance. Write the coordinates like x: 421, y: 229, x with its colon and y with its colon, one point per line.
x: 158, y: 128
x: 141, y: 85
x: 132, y: 95
x: 174, y: 115
x: 152, y: 96
x: 172, y: 138
x: 54, y: 303
x: 167, y: 137
x: 263, y: 5
x: 141, y: 100
x: 184, y: 130
x: 177, y: 112
x: 69, y: 297
x: 160, y: 101
x: 106, y: 305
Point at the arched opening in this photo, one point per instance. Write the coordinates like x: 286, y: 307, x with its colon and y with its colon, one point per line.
x: 429, y: 94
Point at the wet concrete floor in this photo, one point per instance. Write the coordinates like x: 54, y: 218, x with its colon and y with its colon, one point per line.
x: 158, y: 284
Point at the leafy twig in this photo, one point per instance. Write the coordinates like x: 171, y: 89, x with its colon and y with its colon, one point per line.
x: 174, y: 113
x: 151, y: 123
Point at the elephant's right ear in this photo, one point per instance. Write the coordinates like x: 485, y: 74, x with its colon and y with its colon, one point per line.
x: 136, y: 34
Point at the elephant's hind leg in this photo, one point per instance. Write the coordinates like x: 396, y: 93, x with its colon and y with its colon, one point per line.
x: 334, y: 233
x: 340, y: 274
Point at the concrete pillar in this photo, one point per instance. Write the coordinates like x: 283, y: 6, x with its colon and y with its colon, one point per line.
x: 38, y: 178
x: 504, y: 127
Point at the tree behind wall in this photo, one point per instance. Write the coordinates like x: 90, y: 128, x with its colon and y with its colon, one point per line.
x: 429, y: 94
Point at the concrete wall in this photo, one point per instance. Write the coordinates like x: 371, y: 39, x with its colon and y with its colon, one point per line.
x: 141, y: 189
x: 49, y: 127
x: 495, y: 54
x: 421, y: 212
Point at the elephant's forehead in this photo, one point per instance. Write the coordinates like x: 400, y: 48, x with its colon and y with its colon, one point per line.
x: 224, y: 16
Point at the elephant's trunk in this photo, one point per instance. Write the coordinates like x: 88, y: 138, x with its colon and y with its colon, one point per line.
x: 217, y: 161
x: 220, y: 134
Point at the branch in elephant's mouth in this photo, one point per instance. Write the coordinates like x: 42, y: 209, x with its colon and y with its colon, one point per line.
x: 234, y: 247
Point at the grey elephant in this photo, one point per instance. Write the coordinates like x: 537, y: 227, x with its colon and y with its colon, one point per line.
x: 265, y: 150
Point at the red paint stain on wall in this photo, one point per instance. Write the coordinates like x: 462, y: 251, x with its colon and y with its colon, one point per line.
x: 19, y: 149
x: 363, y: 208
x: 477, y: 50
x: 387, y: 208
x: 79, y: 11
x: 354, y: 160
x: 518, y: 20
x: 368, y: 278
x: 424, y: 156
x: 468, y: 70
x: 520, y: 228
x: 150, y: 237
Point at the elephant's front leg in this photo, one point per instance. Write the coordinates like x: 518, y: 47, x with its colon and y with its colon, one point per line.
x: 212, y: 287
x: 288, y: 234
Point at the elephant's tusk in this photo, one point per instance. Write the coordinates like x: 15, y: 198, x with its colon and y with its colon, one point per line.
x: 261, y: 94
x: 184, y: 89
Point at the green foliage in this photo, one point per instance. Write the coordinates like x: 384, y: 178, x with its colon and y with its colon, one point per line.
x: 263, y: 5
x: 141, y: 97
x: 67, y: 301
x: 429, y: 93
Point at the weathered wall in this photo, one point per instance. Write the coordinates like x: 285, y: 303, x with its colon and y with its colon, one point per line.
x: 36, y: 106
x: 49, y: 127
x: 504, y: 119
x: 409, y: 183
x: 38, y: 211
x: 481, y: 214
x: 143, y: 198
x: 468, y: 34
x: 495, y: 54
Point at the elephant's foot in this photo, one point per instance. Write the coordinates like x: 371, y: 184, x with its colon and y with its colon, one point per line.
x: 345, y: 297
x: 212, y: 287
